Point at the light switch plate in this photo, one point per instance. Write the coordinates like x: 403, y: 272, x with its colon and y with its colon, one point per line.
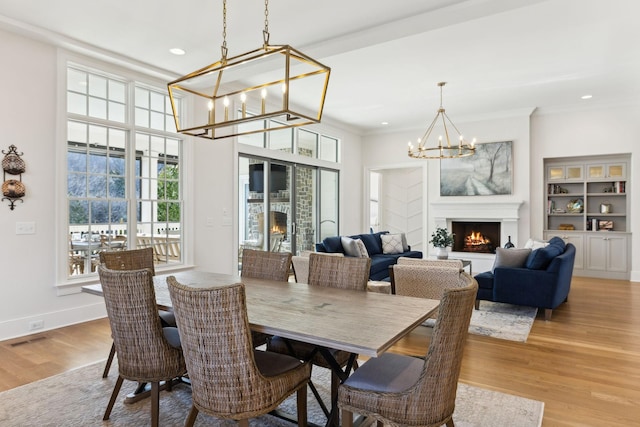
x: 25, y: 228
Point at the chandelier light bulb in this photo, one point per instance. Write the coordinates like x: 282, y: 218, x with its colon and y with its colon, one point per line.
x: 226, y: 108
x: 243, y: 98
x: 212, y: 113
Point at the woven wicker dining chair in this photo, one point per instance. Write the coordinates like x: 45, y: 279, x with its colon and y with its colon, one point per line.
x: 332, y: 272
x: 403, y: 390
x: 421, y: 281
x: 144, y: 355
x: 229, y: 378
x: 265, y: 265
x: 453, y: 263
x: 134, y: 259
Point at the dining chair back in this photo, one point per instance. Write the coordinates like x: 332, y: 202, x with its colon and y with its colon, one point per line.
x: 421, y: 281
x: 339, y: 272
x: 133, y: 259
x: 453, y: 263
x: 265, y: 265
x: 144, y: 355
x: 404, y: 390
x: 424, y: 282
x: 229, y: 378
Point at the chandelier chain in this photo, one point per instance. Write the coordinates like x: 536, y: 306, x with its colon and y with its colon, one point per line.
x: 265, y: 32
x: 224, y: 30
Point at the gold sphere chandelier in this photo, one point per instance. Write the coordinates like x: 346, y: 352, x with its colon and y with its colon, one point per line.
x: 444, y: 149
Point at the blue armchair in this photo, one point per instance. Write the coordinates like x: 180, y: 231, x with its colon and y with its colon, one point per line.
x: 544, y: 281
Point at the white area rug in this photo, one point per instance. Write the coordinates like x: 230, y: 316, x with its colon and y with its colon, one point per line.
x: 79, y: 397
x: 498, y: 320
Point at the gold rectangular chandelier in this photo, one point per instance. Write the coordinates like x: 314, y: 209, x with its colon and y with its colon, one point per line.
x: 270, y: 88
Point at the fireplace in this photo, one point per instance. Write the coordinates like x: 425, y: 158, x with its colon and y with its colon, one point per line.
x: 278, y: 223
x: 474, y: 236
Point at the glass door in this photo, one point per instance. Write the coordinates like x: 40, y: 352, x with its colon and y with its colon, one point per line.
x: 285, y: 207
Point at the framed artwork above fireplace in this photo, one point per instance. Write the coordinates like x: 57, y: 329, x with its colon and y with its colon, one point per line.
x: 488, y: 172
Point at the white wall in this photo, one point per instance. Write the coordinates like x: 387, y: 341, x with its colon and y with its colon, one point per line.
x: 585, y: 133
x: 27, y: 262
x: 391, y: 149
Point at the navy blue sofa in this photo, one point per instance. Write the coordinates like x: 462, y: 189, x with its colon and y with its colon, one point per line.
x: 544, y: 281
x: 380, y: 262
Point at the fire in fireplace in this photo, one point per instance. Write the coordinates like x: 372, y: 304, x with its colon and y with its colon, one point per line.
x: 479, y: 237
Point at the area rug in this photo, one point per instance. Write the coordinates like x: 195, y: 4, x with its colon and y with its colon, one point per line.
x: 498, y: 320
x: 79, y: 397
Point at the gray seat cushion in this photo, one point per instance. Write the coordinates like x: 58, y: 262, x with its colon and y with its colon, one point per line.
x: 272, y: 364
x: 388, y: 373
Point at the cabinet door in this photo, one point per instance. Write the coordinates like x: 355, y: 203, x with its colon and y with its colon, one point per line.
x: 596, y: 258
x: 617, y: 254
x: 564, y: 173
x: 607, y: 171
x: 555, y: 173
x: 616, y: 171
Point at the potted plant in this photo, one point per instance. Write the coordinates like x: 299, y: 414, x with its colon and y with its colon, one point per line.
x: 441, y: 239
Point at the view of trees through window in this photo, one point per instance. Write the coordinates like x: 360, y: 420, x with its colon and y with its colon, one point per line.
x: 114, y: 167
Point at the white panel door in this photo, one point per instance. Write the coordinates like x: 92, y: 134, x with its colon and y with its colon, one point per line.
x: 401, y: 204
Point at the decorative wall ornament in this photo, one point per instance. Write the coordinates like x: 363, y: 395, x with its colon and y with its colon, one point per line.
x: 12, y: 164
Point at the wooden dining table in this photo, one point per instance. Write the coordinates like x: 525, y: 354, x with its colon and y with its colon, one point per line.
x: 361, y: 323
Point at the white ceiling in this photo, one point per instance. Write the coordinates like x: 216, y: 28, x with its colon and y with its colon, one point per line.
x: 498, y: 56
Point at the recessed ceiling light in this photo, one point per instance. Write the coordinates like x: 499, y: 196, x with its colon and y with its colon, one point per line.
x: 177, y: 51
x: 384, y: 123
x: 587, y: 96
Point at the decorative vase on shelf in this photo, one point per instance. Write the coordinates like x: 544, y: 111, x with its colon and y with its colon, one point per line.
x: 442, y: 253
x: 509, y: 245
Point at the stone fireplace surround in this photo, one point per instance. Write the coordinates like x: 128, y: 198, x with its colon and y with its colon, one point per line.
x: 478, y: 210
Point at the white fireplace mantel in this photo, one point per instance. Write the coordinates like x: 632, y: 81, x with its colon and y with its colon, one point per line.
x: 481, y: 211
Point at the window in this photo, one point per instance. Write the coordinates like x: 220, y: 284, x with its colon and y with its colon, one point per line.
x: 123, y: 169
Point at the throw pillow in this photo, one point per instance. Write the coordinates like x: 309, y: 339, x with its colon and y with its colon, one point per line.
x: 362, y: 249
x: 332, y: 244
x: 405, y: 246
x: 513, y: 258
x: 391, y: 244
x: 534, y: 244
x: 350, y: 246
x: 541, y: 258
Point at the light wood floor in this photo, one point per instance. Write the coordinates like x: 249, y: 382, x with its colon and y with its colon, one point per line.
x: 584, y: 364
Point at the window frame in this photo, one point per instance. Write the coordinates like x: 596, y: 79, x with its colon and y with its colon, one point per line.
x: 65, y: 283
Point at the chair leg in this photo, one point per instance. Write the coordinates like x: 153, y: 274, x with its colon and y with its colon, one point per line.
x: 477, y: 304
x: 335, y: 382
x: 114, y: 394
x: 301, y: 401
x: 191, y: 418
x: 379, y: 424
x: 547, y: 313
x: 243, y: 423
x: 107, y: 366
x: 450, y: 423
x: 155, y: 403
x: 347, y: 418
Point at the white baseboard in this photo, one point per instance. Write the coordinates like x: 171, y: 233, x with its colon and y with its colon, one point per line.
x: 14, y: 328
